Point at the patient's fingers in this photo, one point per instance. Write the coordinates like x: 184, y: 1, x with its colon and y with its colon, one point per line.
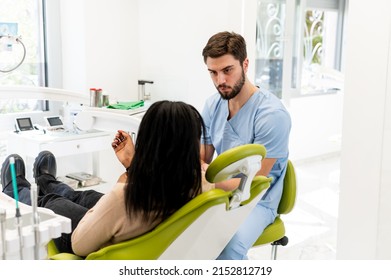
x: 120, y: 136
x: 118, y: 139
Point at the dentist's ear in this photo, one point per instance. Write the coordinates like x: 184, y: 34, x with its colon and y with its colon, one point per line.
x: 245, y: 65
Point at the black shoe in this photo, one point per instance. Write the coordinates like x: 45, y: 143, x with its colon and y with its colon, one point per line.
x: 45, y: 163
x: 20, y: 170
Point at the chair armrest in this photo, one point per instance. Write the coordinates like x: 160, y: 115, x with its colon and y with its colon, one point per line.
x: 65, y: 257
x: 55, y: 254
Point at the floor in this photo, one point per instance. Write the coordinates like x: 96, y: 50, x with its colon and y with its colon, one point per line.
x: 312, y: 225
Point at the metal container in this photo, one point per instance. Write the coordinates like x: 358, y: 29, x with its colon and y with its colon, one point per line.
x: 105, y: 100
x: 92, y: 97
x: 95, y: 97
x: 98, y: 98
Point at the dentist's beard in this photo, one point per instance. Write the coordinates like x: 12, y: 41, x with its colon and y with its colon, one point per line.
x: 235, y: 90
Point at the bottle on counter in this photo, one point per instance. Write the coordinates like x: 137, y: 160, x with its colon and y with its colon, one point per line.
x: 105, y: 100
x: 92, y: 97
x: 96, y: 97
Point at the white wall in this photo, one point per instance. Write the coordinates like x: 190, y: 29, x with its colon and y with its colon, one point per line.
x: 100, y: 46
x: 96, y: 43
x: 173, y: 34
x: 316, y: 126
x: 113, y: 46
x: 163, y: 41
x: 172, y: 56
x: 364, y: 227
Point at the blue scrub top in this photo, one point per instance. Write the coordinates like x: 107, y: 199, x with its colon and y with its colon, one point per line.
x: 263, y: 119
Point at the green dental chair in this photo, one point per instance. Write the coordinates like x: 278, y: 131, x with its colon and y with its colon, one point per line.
x: 203, y: 226
x: 274, y: 234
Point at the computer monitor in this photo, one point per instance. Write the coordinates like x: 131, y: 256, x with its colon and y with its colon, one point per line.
x: 54, y: 122
x: 24, y: 124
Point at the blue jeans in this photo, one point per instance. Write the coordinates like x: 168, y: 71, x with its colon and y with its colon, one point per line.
x: 61, y: 199
x: 237, y: 248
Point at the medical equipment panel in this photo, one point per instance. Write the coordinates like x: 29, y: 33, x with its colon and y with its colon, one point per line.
x: 24, y: 124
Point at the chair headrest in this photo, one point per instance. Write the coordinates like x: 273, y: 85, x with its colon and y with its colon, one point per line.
x: 215, y: 172
x: 244, y: 160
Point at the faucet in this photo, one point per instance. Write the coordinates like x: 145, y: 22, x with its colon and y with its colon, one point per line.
x: 141, y: 90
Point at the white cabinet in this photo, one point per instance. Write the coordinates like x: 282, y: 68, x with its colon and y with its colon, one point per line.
x: 28, y: 145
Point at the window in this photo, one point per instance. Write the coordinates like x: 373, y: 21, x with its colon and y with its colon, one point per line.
x: 320, y: 70
x: 269, y: 45
x: 299, y: 46
x: 22, y: 59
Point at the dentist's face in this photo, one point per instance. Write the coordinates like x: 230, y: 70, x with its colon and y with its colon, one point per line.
x: 227, y: 74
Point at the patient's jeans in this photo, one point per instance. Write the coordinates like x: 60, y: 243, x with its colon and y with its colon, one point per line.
x: 61, y: 199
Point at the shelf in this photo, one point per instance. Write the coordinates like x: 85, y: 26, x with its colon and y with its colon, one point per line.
x: 43, y: 93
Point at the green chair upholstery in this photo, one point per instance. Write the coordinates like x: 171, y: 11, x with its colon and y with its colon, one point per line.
x: 150, y: 246
x: 198, y: 230
x: 274, y: 234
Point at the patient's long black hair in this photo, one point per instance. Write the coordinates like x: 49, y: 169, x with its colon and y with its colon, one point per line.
x: 165, y: 172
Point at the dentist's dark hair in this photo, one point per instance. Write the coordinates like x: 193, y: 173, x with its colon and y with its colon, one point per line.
x: 165, y: 172
x: 223, y: 43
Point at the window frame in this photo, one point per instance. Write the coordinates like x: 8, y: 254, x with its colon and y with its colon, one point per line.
x: 292, y: 42
x: 42, y: 80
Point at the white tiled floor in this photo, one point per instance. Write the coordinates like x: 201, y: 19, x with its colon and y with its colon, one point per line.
x: 312, y: 225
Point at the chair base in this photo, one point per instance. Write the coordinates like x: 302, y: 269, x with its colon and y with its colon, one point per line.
x: 282, y: 242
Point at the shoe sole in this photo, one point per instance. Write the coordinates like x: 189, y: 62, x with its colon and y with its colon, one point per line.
x: 37, y: 162
x: 3, y: 166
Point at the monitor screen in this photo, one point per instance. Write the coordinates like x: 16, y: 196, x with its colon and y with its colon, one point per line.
x: 24, y: 124
x: 54, y: 121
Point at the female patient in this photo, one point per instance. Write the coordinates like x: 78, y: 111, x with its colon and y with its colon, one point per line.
x: 163, y: 173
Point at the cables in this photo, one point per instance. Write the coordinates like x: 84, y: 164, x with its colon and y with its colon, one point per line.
x: 18, y: 40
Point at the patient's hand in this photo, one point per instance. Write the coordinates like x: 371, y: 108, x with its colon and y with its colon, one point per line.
x: 123, y: 147
x: 206, y: 186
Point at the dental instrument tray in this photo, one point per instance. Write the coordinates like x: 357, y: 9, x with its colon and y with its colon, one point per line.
x: 84, y: 179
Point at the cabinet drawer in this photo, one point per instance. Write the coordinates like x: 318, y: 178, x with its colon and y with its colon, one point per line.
x: 71, y: 147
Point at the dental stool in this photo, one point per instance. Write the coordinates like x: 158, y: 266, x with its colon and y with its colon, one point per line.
x: 202, y: 227
x: 275, y: 232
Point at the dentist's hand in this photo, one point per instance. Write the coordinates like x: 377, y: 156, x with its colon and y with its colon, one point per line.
x: 123, y: 147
